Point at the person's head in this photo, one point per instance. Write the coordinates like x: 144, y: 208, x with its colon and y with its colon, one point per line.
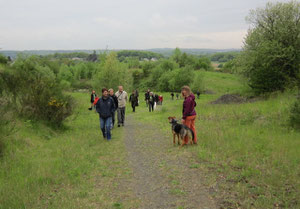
x: 151, y: 93
x: 185, y: 91
x: 148, y: 90
x: 133, y: 92
x: 120, y: 88
x: 93, y: 92
x: 111, y: 92
x: 105, y: 92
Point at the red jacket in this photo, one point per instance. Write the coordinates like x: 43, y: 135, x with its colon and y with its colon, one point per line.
x: 189, y: 105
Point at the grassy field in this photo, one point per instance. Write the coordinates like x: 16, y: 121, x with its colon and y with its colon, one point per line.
x: 251, y: 156
x: 249, y: 151
x: 71, y: 168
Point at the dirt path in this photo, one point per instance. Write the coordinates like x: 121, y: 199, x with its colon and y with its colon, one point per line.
x: 164, y: 176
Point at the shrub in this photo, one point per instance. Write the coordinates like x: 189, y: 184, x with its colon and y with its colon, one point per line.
x: 295, y: 115
x: 33, y: 86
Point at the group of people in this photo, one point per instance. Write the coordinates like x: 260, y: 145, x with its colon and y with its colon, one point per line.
x: 177, y: 95
x: 106, y: 106
x: 152, y: 99
x: 111, y: 102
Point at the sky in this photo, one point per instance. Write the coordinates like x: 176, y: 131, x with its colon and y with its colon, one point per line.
x: 124, y: 24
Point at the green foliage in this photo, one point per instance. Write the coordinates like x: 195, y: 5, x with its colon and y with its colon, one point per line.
x: 295, y: 115
x: 223, y: 56
x: 183, y: 59
x: 271, y: 56
x: 112, y: 74
x: 3, y: 59
x: 198, y: 83
x: 181, y: 77
x: 36, y: 92
x: 140, y: 55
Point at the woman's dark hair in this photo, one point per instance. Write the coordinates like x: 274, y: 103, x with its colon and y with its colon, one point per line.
x: 104, y: 89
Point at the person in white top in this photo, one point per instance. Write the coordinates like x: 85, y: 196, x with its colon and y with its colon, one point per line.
x: 122, y: 99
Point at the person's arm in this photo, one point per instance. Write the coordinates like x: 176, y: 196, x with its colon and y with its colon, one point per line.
x: 96, y: 100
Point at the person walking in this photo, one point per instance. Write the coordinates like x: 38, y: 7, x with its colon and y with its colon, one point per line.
x: 147, y: 97
x: 172, y: 95
x: 188, y: 111
x: 93, y: 97
x: 198, y: 94
x: 161, y: 99
x: 134, y: 100
x: 177, y: 95
x: 105, y: 107
x: 115, y: 99
x: 122, y: 99
x: 151, y: 102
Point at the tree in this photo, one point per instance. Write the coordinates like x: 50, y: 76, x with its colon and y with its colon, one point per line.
x: 3, y: 59
x: 271, y: 56
x: 198, y: 83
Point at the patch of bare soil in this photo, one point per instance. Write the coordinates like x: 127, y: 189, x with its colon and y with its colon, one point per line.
x: 164, y: 176
x: 230, y: 99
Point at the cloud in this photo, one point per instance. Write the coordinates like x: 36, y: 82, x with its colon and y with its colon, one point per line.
x: 108, y: 22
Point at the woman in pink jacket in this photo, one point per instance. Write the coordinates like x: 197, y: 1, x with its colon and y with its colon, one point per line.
x: 188, y: 111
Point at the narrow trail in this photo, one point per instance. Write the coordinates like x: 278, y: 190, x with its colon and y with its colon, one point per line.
x: 163, y: 176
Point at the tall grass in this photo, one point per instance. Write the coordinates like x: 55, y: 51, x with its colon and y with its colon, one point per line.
x: 71, y: 168
x: 248, y: 148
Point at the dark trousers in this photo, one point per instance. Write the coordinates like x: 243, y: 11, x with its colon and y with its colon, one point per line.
x: 151, y: 106
x: 133, y: 107
x: 121, y: 115
x: 113, y: 118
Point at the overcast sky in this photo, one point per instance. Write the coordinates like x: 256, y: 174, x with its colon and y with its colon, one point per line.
x: 123, y: 24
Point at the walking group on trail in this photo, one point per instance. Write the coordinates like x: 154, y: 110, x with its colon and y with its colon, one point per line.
x: 110, y: 103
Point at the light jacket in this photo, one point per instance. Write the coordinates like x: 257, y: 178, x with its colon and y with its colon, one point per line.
x: 122, y: 98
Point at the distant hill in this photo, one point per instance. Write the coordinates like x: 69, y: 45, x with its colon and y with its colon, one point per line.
x: 168, y: 51
x: 164, y: 51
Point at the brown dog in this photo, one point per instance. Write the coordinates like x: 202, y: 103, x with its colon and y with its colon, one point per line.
x: 181, y: 131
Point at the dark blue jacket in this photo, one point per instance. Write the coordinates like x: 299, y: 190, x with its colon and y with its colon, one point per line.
x: 105, y: 107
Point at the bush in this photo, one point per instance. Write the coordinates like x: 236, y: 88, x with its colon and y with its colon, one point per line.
x: 295, y: 115
x: 5, y: 122
x: 34, y: 88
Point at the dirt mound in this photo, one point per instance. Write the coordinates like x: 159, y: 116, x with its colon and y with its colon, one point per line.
x: 230, y: 99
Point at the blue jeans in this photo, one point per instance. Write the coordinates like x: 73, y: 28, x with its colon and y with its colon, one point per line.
x: 105, y: 125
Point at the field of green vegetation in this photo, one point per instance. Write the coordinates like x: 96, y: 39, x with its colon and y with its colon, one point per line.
x: 250, y: 154
x: 247, y: 149
x: 71, y: 167
x: 52, y: 154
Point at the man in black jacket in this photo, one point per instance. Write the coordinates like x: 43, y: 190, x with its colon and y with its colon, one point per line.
x: 105, y: 106
x: 115, y: 99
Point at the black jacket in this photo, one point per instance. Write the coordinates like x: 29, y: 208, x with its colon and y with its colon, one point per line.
x: 115, y: 99
x: 133, y: 99
x: 147, y: 95
x: 93, y: 97
x: 105, y: 107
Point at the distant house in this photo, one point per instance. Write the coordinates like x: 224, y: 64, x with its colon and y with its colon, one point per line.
x: 146, y: 59
x: 153, y: 59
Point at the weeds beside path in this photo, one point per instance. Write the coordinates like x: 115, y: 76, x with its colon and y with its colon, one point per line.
x: 163, y: 176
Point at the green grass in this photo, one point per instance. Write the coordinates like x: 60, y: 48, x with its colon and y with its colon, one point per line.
x: 223, y: 83
x: 71, y: 168
x: 248, y: 148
